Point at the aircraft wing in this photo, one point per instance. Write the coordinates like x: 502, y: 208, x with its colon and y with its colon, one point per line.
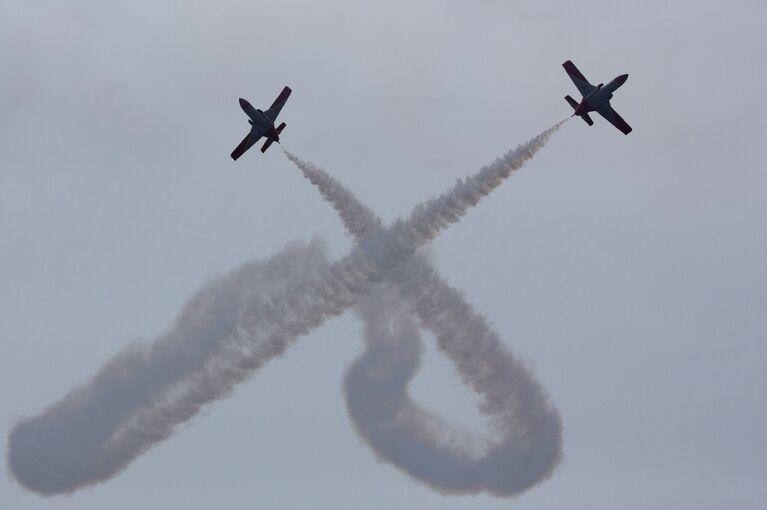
x: 580, y: 81
x: 613, y: 118
x: 276, y: 107
x: 245, y: 144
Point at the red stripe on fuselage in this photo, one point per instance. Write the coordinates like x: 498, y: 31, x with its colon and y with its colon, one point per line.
x: 584, y: 107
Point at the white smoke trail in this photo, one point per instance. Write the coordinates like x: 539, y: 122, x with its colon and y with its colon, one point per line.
x: 133, y: 401
x: 227, y: 331
x: 529, y: 430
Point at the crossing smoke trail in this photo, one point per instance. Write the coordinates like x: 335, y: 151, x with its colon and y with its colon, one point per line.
x: 226, y: 332
x: 529, y: 430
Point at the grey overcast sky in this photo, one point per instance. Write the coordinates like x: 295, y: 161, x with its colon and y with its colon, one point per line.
x: 629, y: 271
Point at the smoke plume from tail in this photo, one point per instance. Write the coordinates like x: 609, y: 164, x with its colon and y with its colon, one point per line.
x: 225, y: 333
x: 528, y: 429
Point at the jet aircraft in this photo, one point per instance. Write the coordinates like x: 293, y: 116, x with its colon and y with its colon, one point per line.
x: 262, y: 124
x: 595, y: 99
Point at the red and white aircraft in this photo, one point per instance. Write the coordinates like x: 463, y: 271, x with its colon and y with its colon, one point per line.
x: 262, y: 124
x: 595, y: 99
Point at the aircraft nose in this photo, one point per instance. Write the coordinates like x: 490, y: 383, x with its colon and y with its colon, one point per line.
x: 622, y: 78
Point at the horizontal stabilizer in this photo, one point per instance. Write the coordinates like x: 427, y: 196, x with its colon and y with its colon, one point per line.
x: 587, y: 119
x: 266, y: 145
x: 280, y: 128
x: 572, y: 102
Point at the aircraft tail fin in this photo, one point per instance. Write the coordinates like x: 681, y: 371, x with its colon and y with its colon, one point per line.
x: 266, y: 145
x: 584, y: 116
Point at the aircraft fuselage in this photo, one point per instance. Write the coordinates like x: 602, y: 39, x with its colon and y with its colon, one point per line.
x: 260, y: 124
x: 601, y: 95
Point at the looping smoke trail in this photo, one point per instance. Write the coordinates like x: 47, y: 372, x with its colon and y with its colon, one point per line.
x: 529, y: 430
x: 227, y: 331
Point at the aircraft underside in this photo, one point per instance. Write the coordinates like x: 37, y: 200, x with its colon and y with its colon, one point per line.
x: 595, y: 98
